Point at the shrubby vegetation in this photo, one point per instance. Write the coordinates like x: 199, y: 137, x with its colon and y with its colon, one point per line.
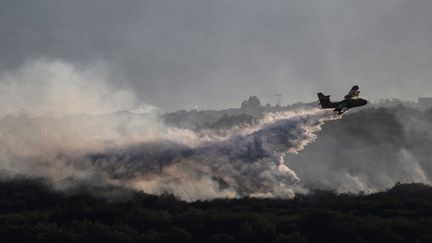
x: 30, y: 211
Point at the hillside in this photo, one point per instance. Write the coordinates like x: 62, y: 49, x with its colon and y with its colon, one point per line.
x: 30, y: 211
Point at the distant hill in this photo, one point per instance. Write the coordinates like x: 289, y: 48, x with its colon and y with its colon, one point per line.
x: 369, y: 150
x: 249, y: 109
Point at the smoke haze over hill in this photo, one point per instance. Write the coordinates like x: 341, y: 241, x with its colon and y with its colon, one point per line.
x: 46, y: 132
x: 85, y: 87
x: 137, y: 149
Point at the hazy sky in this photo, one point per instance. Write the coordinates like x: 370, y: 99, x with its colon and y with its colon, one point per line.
x: 215, y: 53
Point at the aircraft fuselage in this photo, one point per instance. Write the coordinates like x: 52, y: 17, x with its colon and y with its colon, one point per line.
x: 342, y: 105
x: 350, y: 103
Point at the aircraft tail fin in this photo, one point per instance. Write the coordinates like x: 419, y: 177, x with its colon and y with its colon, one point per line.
x: 324, y: 100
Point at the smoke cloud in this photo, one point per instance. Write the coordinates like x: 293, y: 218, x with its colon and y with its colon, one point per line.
x: 368, y: 151
x: 50, y: 109
x: 249, y: 161
x: 106, y: 137
x: 47, y: 131
x: 47, y: 87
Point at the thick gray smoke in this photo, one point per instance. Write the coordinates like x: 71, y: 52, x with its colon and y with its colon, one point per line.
x: 247, y: 161
x: 51, y: 108
x: 59, y: 122
x: 369, y: 151
x: 191, y: 165
x: 63, y: 122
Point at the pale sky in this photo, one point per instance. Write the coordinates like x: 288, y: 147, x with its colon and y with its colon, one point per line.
x: 178, y: 54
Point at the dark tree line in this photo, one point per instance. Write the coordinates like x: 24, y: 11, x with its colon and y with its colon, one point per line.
x: 30, y: 211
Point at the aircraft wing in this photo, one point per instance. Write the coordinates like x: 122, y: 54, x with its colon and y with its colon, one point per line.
x: 353, y: 93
